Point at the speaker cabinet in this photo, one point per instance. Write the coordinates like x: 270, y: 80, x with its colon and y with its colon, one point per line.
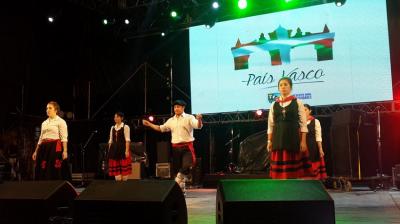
x: 140, y: 201
x: 34, y: 201
x: 254, y: 201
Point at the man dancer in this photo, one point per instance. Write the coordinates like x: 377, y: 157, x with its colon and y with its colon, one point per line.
x: 181, y: 126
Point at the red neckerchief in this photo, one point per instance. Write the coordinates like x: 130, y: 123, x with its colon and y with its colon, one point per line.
x: 287, y: 99
x: 310, y: 118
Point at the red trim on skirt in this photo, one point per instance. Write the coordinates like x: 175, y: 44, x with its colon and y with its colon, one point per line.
x: 319, y: 169
x: 290, y: 165
x: 190, y: 146
x: 120, y: 167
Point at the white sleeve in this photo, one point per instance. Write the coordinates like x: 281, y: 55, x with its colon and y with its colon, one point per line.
x: 271, y: 119
x: 318, y: 131
x: 110, y: 140
x: 41, y: 135
x: 194, y: 122
x: 166, y: 126
x: 63, y: 129
x: 302, y: 117
x: 127, y: 133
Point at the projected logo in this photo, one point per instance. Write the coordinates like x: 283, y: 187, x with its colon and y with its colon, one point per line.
x: 272, y: 97
x: 280, y: 44
x: 302, y: 96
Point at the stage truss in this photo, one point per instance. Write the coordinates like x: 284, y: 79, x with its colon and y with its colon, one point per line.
x: 320, y: 111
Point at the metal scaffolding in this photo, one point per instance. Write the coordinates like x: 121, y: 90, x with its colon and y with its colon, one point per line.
x: 251, y: 116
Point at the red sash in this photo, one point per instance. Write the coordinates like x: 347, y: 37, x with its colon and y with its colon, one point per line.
x: 58, y: 146
x: 190, y: 146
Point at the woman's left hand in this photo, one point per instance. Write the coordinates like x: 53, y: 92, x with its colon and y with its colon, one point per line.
x: 321, y: 153
x: 303, y: 146
x: 64, y: 155
x: 127, y: 154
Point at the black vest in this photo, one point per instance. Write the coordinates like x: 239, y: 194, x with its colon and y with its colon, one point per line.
x: 117, y: 149
x: 312, y: 143
x: 286, y: 131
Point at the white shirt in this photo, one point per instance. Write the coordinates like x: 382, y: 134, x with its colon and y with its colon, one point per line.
x: 302, y: 116
x: 54, y: 128
x: 181, y: 128
x: 318, y: 130
x: 127, y: 132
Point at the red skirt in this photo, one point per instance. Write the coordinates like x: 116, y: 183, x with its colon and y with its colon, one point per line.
x: 120, y: 167
x: 290, y: 165
x: 319, y: 169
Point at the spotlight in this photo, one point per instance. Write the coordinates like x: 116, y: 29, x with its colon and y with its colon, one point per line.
x: 50, y: 19
x: 105, y: 21
x: 174, y: 14
x: 215, y: 5
x: 151, y: 118
x: 127, y: 21
x: 259, y: 113
x: 242, y: 4
x: 162, y: 34
x: 340, y: 2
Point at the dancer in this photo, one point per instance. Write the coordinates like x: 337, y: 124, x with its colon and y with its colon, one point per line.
x: 51, y: 149
x: 314, y: 143
x: 119, y: 156
x: 287, y: 129
x: 181, y: 126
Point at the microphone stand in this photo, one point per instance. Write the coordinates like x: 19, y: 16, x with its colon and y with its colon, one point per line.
x: 379, y: 149
x: 83, y: 150
x: 232, y: 168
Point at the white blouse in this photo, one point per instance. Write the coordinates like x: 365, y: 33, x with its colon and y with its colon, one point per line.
x: 318, y: 130
x: 302, y: 116
x: 181, y: 128
x: 54, y: 128
x: 127, y: 132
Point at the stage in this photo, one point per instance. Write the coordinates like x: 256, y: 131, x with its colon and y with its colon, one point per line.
x: 359, y: 206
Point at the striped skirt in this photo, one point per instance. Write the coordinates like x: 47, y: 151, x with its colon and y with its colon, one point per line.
x: 120, y: 167
x: 319, y: 169
x: 290, y: 165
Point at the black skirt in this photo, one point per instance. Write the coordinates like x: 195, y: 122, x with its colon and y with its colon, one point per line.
x: 49, y: 163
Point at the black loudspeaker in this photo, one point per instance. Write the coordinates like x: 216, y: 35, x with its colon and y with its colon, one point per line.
x: 254, y: 201
x: 347, y: 117
x: 163, y: 152
x: 34, y: 202
x: 396, y: 176
x: 345, y: 151
x: 140, y: 201
x: 353, y: 141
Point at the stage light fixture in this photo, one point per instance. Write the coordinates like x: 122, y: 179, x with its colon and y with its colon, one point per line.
x: 126, y: 21
x: 259, y: 112
x: 340, y: 2
x: 50, y: 19
x: 242, y: 4
x: 174, y: 14
x: 105, y: 21
x: 215, y: 5
x: 151, y: 118
x: 162, y: 34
